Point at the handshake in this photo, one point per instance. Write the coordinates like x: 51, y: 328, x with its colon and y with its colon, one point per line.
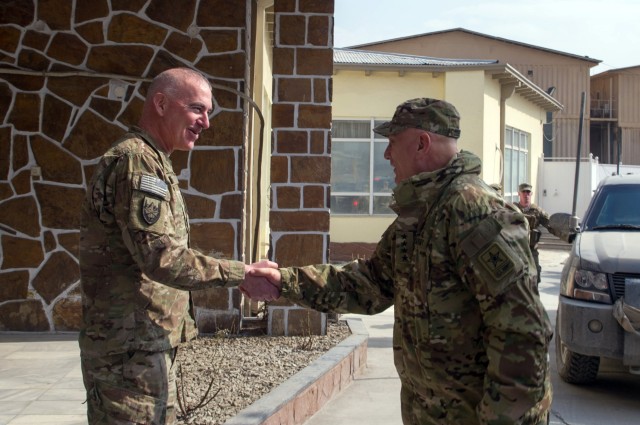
x: 261, y: 281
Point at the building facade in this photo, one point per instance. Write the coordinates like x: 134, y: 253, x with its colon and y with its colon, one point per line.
x: 502, y: 122
x: 564, y: 75
x: 615, y: 116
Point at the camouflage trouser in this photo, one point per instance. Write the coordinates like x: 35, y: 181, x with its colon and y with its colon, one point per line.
x: 131, y: 388
x: 417, y: 410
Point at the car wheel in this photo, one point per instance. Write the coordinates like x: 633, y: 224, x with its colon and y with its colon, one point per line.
x: 575, y: 368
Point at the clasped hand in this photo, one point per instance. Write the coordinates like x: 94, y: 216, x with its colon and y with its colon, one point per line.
x: 260, y: 282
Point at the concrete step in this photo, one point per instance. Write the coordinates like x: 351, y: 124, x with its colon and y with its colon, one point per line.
x: 549, y: 241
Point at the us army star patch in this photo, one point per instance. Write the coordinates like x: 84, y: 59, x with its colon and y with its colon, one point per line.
x: 496, y: 261
x: 150, y: 210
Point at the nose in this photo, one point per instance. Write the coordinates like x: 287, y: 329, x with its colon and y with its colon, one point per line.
x: 204, y: 121
x: 387, y: 154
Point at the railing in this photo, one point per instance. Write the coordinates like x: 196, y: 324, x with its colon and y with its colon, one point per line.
x: 603, y: 108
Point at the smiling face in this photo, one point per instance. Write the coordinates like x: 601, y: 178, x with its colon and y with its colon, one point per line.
x: 184, y: 114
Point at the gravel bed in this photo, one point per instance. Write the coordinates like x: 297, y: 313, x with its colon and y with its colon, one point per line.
x: 231, y: 372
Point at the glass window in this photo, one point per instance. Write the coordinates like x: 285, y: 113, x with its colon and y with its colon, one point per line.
x: 516, y: 160
x: 350, y: 167
x: 361, y: 179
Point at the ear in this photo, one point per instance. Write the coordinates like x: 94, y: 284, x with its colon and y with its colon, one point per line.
x: 160, y: 103
x: 424, y: 143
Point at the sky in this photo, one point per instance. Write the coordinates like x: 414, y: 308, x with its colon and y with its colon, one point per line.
x: 605, y: 30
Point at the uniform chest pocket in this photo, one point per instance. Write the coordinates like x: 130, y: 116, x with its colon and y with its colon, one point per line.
x: 179, y: 209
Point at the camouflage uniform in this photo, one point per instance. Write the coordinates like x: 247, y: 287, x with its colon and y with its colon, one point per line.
x: 136, y: 270
x: 536, y: 217
x: 470, y: 334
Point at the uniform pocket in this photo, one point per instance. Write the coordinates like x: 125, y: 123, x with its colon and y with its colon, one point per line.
x: 123, y: 404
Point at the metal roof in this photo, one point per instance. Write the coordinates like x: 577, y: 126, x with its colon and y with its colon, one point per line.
x: 365, y: 57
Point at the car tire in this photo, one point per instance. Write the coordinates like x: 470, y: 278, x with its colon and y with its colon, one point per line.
x: 575, y: 368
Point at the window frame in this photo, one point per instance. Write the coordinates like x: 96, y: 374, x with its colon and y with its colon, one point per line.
x: 517, y: 145
x: 373, y: 140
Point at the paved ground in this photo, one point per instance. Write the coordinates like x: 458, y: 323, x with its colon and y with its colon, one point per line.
x: 40, y: 380
x: 41, y: 383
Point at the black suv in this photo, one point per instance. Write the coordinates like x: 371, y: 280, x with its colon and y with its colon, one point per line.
x: 599, y: 305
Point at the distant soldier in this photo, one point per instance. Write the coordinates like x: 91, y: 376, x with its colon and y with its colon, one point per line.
x: 470, y: 334
x: 537, y: 217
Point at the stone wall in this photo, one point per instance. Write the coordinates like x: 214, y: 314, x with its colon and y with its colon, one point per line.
x: 301, y: 157
x: 73, y: 76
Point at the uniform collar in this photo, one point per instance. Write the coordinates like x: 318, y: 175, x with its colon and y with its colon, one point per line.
x: 419, y: 190
x: 149, y: 140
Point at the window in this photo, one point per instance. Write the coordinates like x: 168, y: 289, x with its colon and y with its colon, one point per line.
x: 516, y: 159
x: 361, y: 179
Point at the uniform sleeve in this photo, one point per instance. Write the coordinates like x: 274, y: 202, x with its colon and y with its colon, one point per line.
x: 497, y: 264
x: 154, y: 229
x: 544, y: 219
x: 362, y: 286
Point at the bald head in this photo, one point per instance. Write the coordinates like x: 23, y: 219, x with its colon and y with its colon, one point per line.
x: 172, y: 81
x: 442, y: 149
x: 177, y: 108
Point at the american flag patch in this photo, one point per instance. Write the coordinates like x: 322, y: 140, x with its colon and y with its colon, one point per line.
x: 154, y: 186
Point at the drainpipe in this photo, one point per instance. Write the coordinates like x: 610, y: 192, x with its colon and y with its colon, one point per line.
x: 506, y: 91
x: 246, y: 150
x: 574, y: 218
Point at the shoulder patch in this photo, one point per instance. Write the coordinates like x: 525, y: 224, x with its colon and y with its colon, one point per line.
x: 496, y: 261
x: 153, y: 185
x: 151, y: 209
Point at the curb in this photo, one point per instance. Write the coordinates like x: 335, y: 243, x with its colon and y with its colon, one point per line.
x: 302, y: 395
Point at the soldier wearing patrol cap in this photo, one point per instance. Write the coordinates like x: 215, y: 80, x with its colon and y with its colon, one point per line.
x: 537, y: 217
x: 136, y: 265
x: 470, y: 333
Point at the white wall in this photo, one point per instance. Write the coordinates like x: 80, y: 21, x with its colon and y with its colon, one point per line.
x: 555, y: 188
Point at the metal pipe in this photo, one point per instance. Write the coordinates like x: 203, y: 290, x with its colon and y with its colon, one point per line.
x: 577, y: 177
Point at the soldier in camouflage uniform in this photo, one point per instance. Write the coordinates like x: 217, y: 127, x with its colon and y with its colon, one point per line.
x: 536, y: 217
x: 136, y: 264
x: 470, y: 334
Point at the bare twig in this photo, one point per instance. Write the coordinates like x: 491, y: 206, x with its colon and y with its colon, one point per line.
x: 187, y: 411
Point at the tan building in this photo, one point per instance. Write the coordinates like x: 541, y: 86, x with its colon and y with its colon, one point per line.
x: 615, y: 116
x: 564, y: 75
x: 502, y: 122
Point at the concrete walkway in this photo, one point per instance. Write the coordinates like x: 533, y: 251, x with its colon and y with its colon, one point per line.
x: 373, y: 398
x: 40, y: 380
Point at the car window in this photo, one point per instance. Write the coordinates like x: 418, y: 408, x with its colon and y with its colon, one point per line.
x: 615, y: 205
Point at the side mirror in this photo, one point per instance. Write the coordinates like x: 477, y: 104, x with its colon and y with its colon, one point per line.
x: 564, y: 226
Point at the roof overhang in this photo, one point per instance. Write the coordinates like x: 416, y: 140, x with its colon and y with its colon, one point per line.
x: 509, y: 76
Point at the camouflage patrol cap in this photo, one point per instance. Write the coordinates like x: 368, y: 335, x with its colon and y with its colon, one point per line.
x: 524, y: 186
x: 434, y: 115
